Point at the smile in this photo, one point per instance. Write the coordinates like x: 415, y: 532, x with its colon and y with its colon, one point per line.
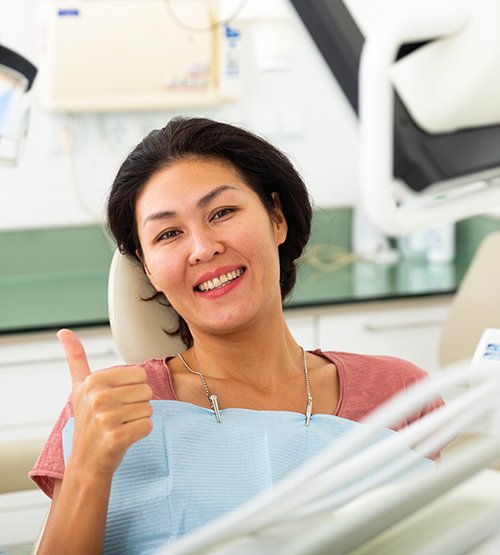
x: 220, y: 281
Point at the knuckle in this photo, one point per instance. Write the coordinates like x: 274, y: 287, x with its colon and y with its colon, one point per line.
x: 105, y: 375
x: 103, y: 422
x: 115, y: 440
x: 92, y: 381
x: 139, y: 373
x: 144, y: 427
x: 148, y: 392
x: 99, y: 399
x: 112, y: 444
x: 78, y: 356
x: 148, y: 425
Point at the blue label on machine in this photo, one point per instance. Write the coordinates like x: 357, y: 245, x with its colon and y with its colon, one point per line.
x: 231, y: 32
x: 492, y: 351
x: 68, y: 12
x: 491, y: 356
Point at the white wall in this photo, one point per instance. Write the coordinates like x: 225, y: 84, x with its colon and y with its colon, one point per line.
x: 70, y: 159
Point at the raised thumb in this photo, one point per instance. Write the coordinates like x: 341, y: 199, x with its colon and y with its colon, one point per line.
x: 75, y: 355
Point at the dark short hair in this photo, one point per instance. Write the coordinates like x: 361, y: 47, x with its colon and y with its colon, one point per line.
x: 262, y: 166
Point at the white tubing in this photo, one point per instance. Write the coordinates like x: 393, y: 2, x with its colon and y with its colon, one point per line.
x: 255, y: 514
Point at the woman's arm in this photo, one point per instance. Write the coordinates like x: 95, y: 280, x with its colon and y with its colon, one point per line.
x: 112, y: 411
x: 77, y: 518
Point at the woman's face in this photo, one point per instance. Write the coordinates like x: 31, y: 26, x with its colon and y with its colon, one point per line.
x: 210, y: 245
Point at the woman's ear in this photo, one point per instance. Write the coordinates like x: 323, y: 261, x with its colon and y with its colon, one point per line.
x: 146, y: 270
x: 280, y: 225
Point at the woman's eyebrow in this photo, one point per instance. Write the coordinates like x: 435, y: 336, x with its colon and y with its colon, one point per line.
x: 212, y: 194
x: 202, y: 203
x: 162, y: 215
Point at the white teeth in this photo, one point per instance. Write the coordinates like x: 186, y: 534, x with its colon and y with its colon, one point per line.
x: 219, y: 281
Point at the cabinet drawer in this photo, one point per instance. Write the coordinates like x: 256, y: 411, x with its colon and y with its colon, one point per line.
x: 22, y: 515
x: 409, y: 330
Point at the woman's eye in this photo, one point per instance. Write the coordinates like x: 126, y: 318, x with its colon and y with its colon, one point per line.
x: 221, y: 213
x: 169, y: 234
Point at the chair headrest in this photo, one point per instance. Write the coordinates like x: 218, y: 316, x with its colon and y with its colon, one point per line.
x: 138, y: 325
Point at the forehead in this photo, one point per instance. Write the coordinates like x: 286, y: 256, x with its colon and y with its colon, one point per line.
x: 188, y: 179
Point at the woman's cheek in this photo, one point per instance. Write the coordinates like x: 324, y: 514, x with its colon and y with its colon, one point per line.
x: 170, y: 274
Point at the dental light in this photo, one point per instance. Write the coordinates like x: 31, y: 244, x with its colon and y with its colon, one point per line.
x: 16, y: 78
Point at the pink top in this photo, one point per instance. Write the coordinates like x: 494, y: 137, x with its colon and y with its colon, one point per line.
x: 365, y: 381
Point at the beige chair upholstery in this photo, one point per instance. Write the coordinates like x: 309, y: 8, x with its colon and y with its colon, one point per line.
x: 17, y: 457
x: 475, y: 306
x: 137, y: 325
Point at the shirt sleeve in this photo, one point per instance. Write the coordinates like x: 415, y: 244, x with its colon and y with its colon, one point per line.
x: 49, y: 466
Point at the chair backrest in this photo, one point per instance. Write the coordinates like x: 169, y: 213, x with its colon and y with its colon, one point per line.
x: 475, y: 306
x: 136, y: 324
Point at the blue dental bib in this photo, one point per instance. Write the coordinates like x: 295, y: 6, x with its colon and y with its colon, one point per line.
x: 191, y: 469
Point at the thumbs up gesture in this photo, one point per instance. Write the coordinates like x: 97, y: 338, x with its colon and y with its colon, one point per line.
x: 112, y: 409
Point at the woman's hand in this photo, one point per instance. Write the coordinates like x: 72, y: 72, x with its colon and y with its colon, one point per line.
x: 112, y: 410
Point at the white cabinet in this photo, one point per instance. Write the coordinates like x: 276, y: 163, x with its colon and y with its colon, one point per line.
x: 22, y: 515
x: 34, y: 386
x: 407, y: 328
x: 304, y: 328
x: 35, y: 380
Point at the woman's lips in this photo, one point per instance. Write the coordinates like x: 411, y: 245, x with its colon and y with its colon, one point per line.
x: 218, y: 278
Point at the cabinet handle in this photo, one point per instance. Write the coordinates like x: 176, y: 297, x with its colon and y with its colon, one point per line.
x: 377, y: 328
x: 42, y: 425
x: 108, y: 351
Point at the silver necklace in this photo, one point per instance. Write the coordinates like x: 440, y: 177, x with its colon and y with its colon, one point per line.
x: 212, y: 398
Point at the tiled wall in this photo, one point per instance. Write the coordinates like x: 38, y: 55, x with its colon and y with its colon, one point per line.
x: 334, y: 226
x: 470, y: 233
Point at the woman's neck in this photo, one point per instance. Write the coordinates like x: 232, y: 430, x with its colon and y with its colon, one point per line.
x: 260, y: 357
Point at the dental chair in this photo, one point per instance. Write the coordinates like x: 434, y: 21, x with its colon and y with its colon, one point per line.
x: 474, y: 308
x: 137, y: 325
x: 475, y: 305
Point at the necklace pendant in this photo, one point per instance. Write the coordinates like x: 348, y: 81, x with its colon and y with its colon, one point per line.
x: 309, y: 410
x: 215, y: 407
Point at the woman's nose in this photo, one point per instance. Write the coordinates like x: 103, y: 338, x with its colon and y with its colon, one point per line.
x: 204, y: 246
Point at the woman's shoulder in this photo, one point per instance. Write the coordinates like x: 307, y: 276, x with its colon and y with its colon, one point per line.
x: 367, y: 381
x: 374, y: 368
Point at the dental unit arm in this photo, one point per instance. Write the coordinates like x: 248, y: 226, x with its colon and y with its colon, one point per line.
x: 424, y: 80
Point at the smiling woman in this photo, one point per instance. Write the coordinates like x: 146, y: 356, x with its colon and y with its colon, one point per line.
x: 144, y: 454
x: 213, y: 224
x: 248, y: 161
